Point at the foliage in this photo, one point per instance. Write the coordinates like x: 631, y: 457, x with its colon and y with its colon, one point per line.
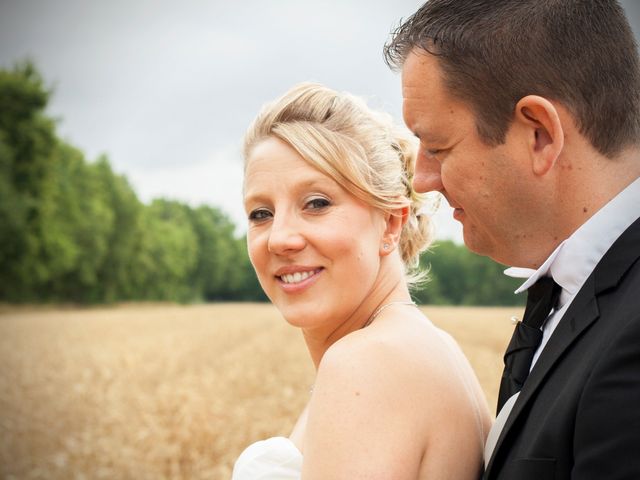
x: 460, y: 277
x: 74, y: 231
x: 26, y: 150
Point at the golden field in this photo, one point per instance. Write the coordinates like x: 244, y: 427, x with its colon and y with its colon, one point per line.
x: 168, y: 391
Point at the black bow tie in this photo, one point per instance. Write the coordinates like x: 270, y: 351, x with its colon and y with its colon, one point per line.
x: 541, y: 298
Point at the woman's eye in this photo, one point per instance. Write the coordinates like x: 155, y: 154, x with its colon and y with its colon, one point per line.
x: 259, y: 215
x: 318, y: 203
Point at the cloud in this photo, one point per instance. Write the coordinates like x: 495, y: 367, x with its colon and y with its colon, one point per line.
x: 214, y: 180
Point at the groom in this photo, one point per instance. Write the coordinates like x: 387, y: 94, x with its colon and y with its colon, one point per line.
x: 528, y: 115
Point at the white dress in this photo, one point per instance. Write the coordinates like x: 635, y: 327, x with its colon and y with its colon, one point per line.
x: 276, y: 458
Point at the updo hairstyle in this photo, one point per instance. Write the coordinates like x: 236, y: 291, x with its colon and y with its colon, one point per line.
x: 357, y: 147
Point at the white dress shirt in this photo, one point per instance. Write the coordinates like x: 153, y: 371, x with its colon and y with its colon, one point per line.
x: 570, y: 265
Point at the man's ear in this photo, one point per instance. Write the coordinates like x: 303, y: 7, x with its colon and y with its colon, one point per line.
x: 394, y: 221
x: 546, y: 140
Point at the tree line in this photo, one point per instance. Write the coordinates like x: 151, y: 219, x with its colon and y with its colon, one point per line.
x: 73, y: 230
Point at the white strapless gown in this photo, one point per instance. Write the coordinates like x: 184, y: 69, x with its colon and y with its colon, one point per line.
x: 276, y: 458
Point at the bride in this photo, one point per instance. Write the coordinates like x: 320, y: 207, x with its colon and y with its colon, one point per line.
x: 334, y: 235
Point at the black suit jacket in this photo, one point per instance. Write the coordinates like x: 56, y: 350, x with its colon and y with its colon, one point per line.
x: 578, y: 414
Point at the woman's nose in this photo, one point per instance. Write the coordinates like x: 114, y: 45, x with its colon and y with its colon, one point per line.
x: 285, y: 235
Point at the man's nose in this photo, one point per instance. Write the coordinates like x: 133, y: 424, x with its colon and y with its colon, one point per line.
x: 428, y: 176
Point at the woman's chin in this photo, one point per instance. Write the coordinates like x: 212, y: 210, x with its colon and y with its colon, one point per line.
x: 299, y: 316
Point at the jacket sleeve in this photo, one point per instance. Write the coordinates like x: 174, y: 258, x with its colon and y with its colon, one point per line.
x: 607, y: 433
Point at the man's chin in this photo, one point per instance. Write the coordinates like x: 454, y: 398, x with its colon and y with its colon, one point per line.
x: 474, y: 242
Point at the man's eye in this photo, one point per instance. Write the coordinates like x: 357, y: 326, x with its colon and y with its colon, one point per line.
x: 318, y: 203
x: 259, y: 215
x: 432, y: 151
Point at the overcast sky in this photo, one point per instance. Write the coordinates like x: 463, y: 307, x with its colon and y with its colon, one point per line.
x: 166, y: 89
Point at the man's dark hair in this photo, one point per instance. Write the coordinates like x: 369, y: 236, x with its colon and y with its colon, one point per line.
x: 581, y: 53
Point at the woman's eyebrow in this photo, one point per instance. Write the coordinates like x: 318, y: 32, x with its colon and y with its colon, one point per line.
x: 303, y: 184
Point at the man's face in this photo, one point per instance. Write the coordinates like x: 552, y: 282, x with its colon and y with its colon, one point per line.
x: 487, y: 186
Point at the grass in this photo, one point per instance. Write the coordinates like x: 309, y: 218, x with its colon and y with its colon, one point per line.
x: 167, y: 391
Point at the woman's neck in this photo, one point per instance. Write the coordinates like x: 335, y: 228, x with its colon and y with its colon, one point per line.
x: 320, y: 340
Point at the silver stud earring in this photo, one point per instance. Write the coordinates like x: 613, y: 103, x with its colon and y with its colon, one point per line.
x: 385, y: 246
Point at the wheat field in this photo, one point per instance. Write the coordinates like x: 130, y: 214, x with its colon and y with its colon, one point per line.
x: 168, y: 391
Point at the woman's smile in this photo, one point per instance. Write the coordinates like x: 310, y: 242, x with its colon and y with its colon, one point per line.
x: 296, y: 279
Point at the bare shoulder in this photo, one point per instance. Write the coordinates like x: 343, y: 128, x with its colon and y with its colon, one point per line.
x: 364, y: 396
x: 383, y: 356
x: 405, y: 351
x: 390, y: 390
x: 366, y: 371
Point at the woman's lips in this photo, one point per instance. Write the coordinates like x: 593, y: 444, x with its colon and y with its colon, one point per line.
x: 297, y: 279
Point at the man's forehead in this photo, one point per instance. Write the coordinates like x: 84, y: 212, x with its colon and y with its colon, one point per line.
x: 422, y: 61
x: 421, y: 78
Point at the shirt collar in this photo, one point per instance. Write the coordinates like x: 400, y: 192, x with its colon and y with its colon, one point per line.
x: 576, y: 257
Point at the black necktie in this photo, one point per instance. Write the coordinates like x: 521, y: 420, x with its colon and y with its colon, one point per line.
x: 541, y: 298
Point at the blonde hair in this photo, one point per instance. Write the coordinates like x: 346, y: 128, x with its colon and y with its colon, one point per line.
x: 357, y: 147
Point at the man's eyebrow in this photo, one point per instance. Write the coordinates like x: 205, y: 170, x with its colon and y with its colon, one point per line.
x: 429, y: 137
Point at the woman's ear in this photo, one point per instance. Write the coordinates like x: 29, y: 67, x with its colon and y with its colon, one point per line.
x: 394, y: 221
x: 545, y: 135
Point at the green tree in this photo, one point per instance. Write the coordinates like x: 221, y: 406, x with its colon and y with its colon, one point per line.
x: 223, y: 270
x: 79, y: 224
x: 120, y: 275
x: 168, y: 251
x: 460, y: 277
x: 244, y: 283
x: 27, y: 145
x: 215, y: 234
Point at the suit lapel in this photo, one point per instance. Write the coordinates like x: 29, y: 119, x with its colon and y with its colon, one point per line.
x: 582, y: 312
x: 577, y: 318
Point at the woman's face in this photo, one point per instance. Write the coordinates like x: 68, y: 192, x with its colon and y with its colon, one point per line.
x: 314, y: 246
